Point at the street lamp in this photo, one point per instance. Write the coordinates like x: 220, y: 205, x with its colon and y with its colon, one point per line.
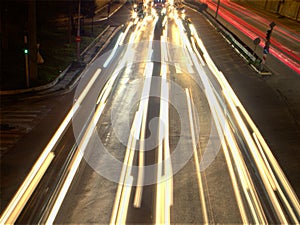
x: 267, y: 45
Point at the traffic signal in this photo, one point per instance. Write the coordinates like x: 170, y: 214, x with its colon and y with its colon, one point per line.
x: 268, y: 34
x: 25, y: 51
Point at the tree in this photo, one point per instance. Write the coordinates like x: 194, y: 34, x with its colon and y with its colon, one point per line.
x: 88, y: 8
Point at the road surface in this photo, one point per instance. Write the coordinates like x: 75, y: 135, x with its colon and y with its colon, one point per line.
x: 159, y: 137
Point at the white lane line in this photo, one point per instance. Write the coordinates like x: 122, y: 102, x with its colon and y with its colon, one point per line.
x: 196, y: 158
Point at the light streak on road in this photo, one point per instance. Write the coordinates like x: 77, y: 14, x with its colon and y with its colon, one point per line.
x: 126, y: 179
x: 113, y: 52
x: 13, y: 215
x: 196, y: 158
x: 120, y: 208
x: 41, y: 161
x: 258, y: 160
x: 164, y: 192
x: 263, y: 20
x: 137, y: 132
x: 143, y: 110
x: 80, y: 150
x: 255, y: 207
x: 164, y: 185
x: 217, y: 116
x: 281, y: 177
x: 263, y: 168
x: 228, y: 114
x: 129, y: 150
x: 75, y: 163
x: 125, y: 33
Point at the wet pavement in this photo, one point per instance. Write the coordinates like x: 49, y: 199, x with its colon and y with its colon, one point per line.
x: 273, y: 103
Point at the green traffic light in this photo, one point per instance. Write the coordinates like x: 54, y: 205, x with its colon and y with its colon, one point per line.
x: 26, y: 51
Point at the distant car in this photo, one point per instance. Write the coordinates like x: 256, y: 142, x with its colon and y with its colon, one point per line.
x: 139, y: 10
x: 159, y: 4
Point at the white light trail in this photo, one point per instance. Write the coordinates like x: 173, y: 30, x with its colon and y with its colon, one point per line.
x: 43, y: 157
x: 125, y: 33
x: 164, y: 189
x: 141, y: 134
x: 137, y: 132
x: 113, y: 52
x: 262, y: 155
x: 75, y: 163
x: 196, y: 159
x: 214, y: 105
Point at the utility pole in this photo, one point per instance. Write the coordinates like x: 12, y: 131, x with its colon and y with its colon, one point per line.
x: 32, y: 41
x: 217, y: 10
x: 78, y: 39
x: 26, y: 60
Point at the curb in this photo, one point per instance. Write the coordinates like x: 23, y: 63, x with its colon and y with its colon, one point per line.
x: 106, y: 18
x: 57, y: 79
x: 74, y: 82
x: 39, y: 88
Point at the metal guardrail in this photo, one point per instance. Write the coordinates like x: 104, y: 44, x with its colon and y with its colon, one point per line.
x: 244, y: 51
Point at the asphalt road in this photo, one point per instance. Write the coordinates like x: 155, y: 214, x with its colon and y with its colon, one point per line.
x: 154, y: 156
x: 159, y: 136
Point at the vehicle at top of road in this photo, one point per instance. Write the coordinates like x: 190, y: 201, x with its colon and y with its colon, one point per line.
x: 159, y: 4
x: 138, y: 10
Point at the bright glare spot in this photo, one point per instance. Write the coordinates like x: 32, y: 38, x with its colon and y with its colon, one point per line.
x: 134, y: 15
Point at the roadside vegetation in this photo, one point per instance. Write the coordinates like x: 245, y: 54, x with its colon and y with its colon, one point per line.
x: 56, y: 34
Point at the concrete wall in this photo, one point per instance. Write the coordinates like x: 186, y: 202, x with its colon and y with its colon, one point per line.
x: 291, y: 9
x: 288, y: 8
